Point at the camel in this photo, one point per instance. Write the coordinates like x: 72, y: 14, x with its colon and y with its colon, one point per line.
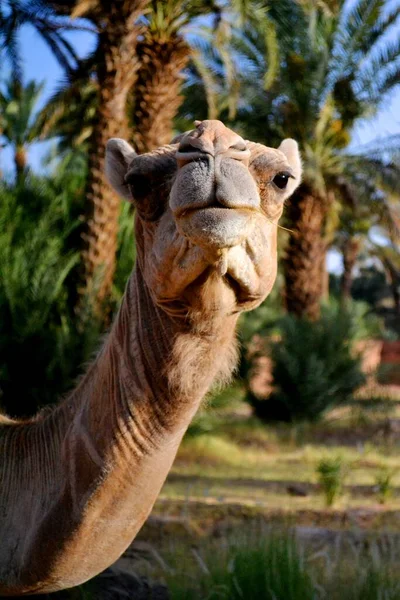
x: 78, y: 481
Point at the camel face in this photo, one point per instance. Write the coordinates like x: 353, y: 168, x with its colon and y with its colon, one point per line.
x: 207, y: 208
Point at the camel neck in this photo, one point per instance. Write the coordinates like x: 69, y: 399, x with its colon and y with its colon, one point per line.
x: 153, y: 371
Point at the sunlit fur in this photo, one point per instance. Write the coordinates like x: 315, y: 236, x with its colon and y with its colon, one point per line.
x: 77, y: 482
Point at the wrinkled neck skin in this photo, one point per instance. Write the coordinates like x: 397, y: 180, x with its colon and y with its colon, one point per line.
x: 78, y: 482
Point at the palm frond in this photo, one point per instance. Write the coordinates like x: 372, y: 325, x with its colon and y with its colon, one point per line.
x: 209, y: 85
x: 378, y: 75
x: 272, y: 47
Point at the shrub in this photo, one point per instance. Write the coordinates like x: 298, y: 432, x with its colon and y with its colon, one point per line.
x: 363, y: 322
x: 384, y: 484
x: 39, y: 337
x: 313, y: 369
x: 262, y: 322
x: 331, y: 474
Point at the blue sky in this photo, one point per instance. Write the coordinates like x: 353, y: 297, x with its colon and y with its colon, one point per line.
x: 39, y: 64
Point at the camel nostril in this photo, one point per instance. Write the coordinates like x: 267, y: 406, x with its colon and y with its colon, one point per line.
x: 189, y: 151
x: 187, y: 148
x: 239, y: 145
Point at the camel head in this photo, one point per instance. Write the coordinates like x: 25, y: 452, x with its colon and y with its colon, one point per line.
x: 207, y: 209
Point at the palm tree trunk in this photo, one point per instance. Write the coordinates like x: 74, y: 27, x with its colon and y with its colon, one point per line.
x: 20, y: 162
x: 324, y: 277
x: 305, y: 253
x: 394, y: 281
x: 157, y: 98
x: 350, y: 250
x: 116, y: 71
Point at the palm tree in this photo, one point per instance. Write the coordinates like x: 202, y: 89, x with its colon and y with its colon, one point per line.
x: 70, y: 114
x: 170, y: 40
x: 368, y: 197
x: 334, y: 69
x: 163, y: 54
x: 389, y: 256
x: 114, y: 64
x: 14, y: 14
x: 19, y: 126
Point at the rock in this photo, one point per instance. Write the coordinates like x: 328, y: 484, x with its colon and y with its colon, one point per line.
x: 297, y: 490
x: 114, y: 584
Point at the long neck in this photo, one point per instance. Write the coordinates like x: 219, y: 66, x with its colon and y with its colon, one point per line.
x: 152, y: 372
x: 126, y: 420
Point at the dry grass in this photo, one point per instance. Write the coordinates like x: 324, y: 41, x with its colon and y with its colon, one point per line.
x: 232, y: 458
x: 235, y: 478
x: 273, y: 563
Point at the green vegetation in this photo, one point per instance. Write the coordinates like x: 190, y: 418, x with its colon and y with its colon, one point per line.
x: 35, y: 285
x: 262, y: 561
x: 384, y: 484
x: 313, y: 368
x: 232, y: 459
x: 331, y: 474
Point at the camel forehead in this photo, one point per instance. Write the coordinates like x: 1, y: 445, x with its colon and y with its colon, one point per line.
x: 213, y: 131
x: 216, y: 133
x: 266, y: 155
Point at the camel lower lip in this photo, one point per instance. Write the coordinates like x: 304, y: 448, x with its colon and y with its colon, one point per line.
x: 216, y: 227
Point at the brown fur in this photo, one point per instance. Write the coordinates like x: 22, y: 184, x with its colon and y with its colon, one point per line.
x: 77, y: 483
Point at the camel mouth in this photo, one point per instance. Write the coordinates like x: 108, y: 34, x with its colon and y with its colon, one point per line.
x: 216, y: 226
x: 218, y: 208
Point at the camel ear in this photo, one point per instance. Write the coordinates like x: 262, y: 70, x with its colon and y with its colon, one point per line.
x: 290, y: 149
x: 119, y: 156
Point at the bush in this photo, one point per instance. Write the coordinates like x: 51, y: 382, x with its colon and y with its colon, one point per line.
x: 41, y: 335
x: 261, y: 322
x: 41, y: 347
x: 313, y: 369
x: 364, y: 324
x: 331, y: 474
x: 384, y: 484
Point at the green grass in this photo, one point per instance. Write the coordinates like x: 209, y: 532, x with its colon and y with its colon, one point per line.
x: 384, y: 484
x: 216, y: 455
x: 331, y: 473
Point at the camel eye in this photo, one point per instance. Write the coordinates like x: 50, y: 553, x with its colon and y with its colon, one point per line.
x: 139, y: 185
x: 281, y: 180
